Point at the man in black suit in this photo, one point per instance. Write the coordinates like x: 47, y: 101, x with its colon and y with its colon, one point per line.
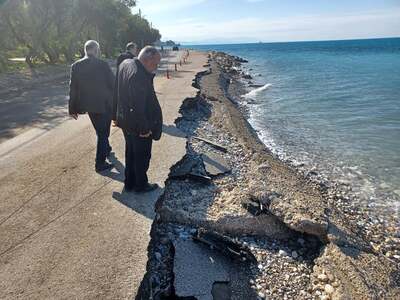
x: 91, y: 91
x: 138, y: 113
x: 131, y: 52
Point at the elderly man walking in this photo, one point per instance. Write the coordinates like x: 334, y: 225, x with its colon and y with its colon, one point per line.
x: 130, y: 53
x: 138, y: 114
x: 91, y: 91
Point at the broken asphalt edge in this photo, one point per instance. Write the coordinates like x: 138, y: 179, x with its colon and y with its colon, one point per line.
x: 146, y: 289
x: 322, y: 229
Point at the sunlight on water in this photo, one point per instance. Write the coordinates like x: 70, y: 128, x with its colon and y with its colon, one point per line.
x: 331, y: 106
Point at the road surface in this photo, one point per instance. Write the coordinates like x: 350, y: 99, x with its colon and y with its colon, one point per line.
x: 67, y: 232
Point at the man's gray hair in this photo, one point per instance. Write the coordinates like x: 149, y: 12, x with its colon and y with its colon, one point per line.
x: 92, y: 47
x: 148, y: 52
x: 130, y: 46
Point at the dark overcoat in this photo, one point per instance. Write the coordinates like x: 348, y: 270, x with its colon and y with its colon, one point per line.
x: 91, y: 86
x: 137, y: 109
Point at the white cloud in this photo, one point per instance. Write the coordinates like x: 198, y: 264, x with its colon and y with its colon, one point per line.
x: 311, y: 27
x: 160, y: 6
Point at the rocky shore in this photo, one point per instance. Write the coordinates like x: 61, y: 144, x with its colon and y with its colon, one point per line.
x: 235, y: 222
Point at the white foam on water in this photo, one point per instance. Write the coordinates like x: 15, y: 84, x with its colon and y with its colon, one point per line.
x: 252, y: 94
x: 364, y: 188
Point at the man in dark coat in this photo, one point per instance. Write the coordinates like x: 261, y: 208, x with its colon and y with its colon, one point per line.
x: 138, y: 113
x: 91, y: 91
x: 131, y: 52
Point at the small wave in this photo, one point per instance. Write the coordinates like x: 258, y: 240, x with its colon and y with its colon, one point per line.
x: 252, y: 94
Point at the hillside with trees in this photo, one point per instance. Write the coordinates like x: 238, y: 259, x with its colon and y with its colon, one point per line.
x: 48, y: 31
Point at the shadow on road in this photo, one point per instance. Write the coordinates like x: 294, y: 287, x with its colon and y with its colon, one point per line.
x: 141, y: 203
x: 44, y: 108
x: 118, y: 166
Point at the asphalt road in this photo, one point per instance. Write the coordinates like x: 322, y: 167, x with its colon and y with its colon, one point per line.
x: 66, y: 231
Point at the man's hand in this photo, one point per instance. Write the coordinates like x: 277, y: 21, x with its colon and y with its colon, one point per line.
x: 145, y: 135
x: 75, y: 116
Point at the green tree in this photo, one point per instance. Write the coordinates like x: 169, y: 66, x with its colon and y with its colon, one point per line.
x: 139, y: 31
x: 54, y: 30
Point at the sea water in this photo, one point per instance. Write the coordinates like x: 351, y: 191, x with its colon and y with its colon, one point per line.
x: 332, y: 107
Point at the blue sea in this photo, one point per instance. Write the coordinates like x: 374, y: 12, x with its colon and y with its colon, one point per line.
x: 332, y: 107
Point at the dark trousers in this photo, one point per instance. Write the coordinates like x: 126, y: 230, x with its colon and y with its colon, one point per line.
x: 101, y: 123
x: 137, y: 160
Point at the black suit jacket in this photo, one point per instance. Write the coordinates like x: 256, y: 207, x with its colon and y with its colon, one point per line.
x: 120, y: 59
x: 123, y: 56
x: 137, y: 108
x: 91, y: 86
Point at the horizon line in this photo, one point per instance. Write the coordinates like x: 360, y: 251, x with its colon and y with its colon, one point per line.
x: 277, y: 42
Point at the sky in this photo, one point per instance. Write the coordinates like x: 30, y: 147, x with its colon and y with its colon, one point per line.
x: 242, y: 21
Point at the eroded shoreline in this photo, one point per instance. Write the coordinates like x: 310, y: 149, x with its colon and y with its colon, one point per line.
x: 304, y: 245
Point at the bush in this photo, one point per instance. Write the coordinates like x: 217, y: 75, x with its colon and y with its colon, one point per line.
x: 53, y: 31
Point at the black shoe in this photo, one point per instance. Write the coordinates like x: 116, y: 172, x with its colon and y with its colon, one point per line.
x: 147, y: 188
x: 103, y: 166
x: 127, y: 189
